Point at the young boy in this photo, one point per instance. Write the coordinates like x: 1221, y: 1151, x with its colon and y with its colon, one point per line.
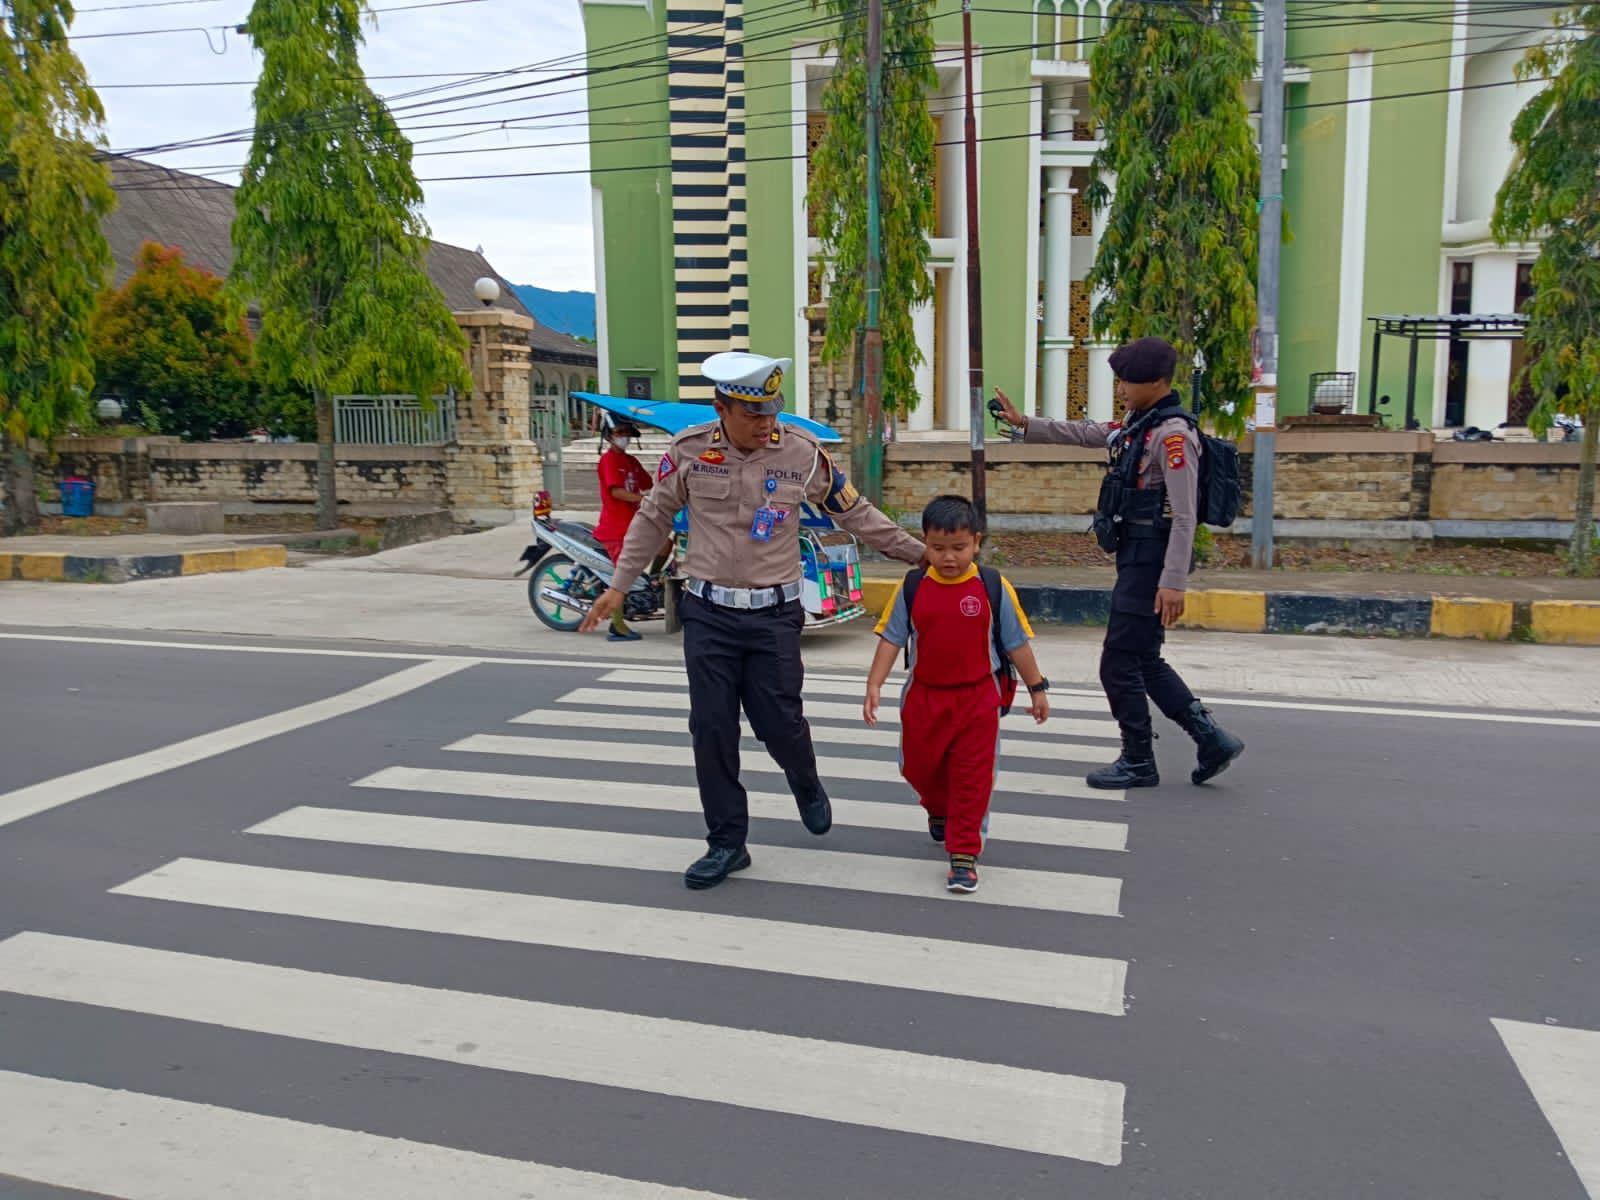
x: 623, y: 483
x: 950, y: 713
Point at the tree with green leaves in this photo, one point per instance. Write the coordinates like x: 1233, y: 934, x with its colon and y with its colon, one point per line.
x: 1552, y: 193
x: 837, y: 194
x: 329, y: 234
x: 175, y: 348
x: 53, y: 257
x: 1178, y: 258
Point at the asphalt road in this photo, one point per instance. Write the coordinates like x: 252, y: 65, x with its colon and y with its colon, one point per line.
x: 1284, y: 986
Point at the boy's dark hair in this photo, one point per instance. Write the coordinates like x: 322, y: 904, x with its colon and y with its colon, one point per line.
x: 951, y: 514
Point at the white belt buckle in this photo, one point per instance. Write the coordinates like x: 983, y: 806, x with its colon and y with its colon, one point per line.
x: 741, y: 597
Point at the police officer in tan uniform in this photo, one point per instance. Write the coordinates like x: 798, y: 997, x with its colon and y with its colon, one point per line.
x: 743, y: 478
x: 1147, y: 517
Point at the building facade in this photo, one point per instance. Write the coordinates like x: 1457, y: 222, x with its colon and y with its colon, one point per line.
x: 703, y: 114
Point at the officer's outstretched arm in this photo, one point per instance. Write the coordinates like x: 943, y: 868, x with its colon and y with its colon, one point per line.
x: 840, y: 500
x: 652, y: 524
x: 1066, y: 433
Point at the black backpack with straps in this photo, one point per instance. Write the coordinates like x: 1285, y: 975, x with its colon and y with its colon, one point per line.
x: 1006, y: 676
x: 1219, y: 494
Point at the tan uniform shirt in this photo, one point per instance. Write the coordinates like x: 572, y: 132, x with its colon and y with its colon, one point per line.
x: 723, y: 486
x: 1170, y: 456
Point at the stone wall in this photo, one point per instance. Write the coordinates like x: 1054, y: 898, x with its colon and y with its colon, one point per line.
x: 1320, y: 476
x: 281, y: 474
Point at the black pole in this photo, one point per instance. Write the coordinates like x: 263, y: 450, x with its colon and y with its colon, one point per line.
x: 980, y: 499
x: 1411, y: 385
x: 1377, y: 349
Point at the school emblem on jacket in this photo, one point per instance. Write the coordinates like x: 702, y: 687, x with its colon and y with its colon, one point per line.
x: 971, y: 606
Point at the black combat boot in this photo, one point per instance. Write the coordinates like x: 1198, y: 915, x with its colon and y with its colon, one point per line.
x: 1218, y: 748
x: 1135, y: 769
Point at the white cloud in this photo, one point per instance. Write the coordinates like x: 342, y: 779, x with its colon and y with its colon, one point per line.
x: 534, y: 230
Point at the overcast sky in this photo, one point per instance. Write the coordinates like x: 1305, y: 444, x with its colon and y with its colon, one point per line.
x: 533, y: 230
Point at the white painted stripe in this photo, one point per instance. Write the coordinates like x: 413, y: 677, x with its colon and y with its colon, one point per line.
x: 878, y: 874
x: 871, y: 770
x: 780, y: 806
x: 678, y: 701
x: 140, y: 1147
x: 1010, y: 1107
x: 1035, y: 977
x: 844, y: 735
x: 1562, y: 1069
x: 674, y: 673
x: 52, y: 793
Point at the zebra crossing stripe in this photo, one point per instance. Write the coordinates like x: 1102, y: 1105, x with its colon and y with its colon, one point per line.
x: 682, y: 755
x: 1035, y: 977
x: 1053, y: 891
x: 1561, y: 1067
x: 142, y: 1147
x: 841, y: 685
x: 1010, y: 1107
x: 1016, y: 725
x: 859, y: 814
x: 844, y: 735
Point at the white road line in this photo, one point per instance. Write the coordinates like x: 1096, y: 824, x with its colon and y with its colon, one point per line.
x: 682, y: 755
x: 844, y: 685
x: 844, y: 735
x: 141, y: 1147
x: 52, y: 793
x: 1034, y: 977
x: 1016, y: 725
x: 858, y: 814
x: 1562, y: 1069
x: 1052, y: 891
x: 1010, y: 1107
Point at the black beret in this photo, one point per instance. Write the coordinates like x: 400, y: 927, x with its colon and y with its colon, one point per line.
x: 1144, y: 360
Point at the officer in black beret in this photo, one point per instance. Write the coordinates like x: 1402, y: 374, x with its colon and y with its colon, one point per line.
x: 1146, y: 516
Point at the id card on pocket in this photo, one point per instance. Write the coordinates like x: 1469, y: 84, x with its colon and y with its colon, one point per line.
x: 761, y: 525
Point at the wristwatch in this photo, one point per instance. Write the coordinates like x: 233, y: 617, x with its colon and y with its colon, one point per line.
x: 1042, y: 686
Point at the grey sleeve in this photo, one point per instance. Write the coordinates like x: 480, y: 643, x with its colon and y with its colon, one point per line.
x: 1066, y: 433
x: 1014, y: 630
x: 894, y: 626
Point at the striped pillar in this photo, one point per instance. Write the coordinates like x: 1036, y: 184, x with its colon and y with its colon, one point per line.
x: 697, y: 100
x: 738, y: 230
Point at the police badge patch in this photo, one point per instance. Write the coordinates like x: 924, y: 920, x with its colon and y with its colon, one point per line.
x: 1173, y: 444
x: 666, y: 468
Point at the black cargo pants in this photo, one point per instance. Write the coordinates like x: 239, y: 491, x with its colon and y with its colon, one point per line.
x: 1132, y: 670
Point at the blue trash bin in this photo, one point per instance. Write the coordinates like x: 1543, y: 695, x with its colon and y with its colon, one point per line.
x: 77, y: 497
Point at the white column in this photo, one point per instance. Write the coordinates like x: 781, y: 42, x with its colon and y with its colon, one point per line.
x: 1494, y: 290
x: 1057, y: 290
x: 1353, y: 234
x: 922, y: 323
x: 1102, y: 389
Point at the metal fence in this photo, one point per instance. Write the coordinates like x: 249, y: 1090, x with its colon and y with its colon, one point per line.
x: 393, y: 421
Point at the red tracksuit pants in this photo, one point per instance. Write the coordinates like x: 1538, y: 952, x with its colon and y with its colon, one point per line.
x: 949, y: 737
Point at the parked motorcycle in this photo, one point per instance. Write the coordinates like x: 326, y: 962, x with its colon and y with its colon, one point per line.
x: 571, y: 569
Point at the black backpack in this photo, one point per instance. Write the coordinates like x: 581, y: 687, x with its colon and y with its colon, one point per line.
x: 1219, y: 494
x: 1006, y: 676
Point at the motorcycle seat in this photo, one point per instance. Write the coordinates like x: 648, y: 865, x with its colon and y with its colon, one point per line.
x: 581, y: 533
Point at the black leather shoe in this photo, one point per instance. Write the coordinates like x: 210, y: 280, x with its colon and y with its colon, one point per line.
x: 1217, y: 747
x: 816, y: 814
x: 1136, y: 768
x: 716, y: 865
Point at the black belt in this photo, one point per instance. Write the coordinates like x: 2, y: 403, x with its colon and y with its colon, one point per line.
x: 1135, y: 531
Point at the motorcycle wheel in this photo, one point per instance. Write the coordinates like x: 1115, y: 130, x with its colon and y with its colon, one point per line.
x: 555, y: 571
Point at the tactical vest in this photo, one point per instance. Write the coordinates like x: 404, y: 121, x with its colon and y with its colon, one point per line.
x: 1124, y: 509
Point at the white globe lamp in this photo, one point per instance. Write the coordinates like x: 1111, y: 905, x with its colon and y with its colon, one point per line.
x: 486, y: 290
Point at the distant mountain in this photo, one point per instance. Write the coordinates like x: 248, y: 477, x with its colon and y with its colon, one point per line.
x: 571, y: 313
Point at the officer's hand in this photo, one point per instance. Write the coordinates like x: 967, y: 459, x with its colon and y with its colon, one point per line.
x: 610, y: 600
x: 1169, y: 605
x: 1039, y: 705
x: 869, y: 708
x: 1013, y: 417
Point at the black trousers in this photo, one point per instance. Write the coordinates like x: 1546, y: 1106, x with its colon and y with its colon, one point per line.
x: 1132, y: 670
x: 746, y: 658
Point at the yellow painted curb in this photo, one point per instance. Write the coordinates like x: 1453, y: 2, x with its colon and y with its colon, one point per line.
x: 41, y: 568
x: 1227, y: 611
x: 1567, y: 622
x: 207, y: 562
x: 876, y: 594
x: 251, y: 558
x: 1470, y: 617
x: 6, y: 563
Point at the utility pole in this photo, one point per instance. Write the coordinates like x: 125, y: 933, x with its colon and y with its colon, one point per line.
x: 871, y: 467
x: 980, y: 497
x: 1273, y: 17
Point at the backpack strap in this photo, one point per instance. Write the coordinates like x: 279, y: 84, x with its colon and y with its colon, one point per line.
x: 908, y: 590
x: 993, y: 586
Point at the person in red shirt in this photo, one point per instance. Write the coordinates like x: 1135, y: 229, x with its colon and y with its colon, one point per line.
x: 623, y: 483
x: 950, y: 713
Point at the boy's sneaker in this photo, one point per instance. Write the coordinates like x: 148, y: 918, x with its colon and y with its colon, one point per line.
x: 963, y: 875
x: 936, y: 828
